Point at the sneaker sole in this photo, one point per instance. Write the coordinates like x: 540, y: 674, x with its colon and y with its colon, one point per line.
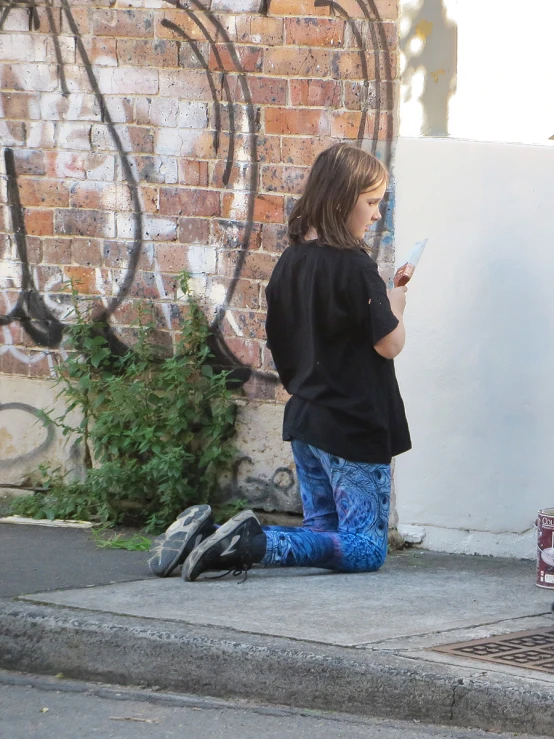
x: 170, y: 548
x: 188, y: 574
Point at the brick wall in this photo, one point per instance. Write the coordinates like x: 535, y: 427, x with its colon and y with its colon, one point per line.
x: 142, y: 139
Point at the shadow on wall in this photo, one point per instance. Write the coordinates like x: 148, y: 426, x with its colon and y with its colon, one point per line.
x: 429, y: 43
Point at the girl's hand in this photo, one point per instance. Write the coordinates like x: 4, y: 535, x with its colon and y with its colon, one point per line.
x: 397, y: 298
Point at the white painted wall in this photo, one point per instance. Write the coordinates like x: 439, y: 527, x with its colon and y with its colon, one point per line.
x: 492, y: 59
x: 475, y: 174
x: 477, y: 373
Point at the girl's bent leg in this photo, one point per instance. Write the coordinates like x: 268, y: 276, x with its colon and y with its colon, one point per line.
x: 361, y: 495
x: 318, y: 500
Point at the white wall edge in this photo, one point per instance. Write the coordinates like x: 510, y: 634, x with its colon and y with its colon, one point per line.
x: 463, y: 541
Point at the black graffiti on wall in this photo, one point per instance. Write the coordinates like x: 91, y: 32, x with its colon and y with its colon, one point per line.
x: 6, y: 460
x: 31, y: 310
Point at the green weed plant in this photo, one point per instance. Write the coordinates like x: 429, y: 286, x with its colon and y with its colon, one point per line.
x: 156, y: 430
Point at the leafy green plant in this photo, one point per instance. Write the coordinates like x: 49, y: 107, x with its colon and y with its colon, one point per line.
x: 156, y: 430
x: 134, y: 543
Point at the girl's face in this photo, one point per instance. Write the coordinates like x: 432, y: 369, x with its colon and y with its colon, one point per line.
x: 366, y: 211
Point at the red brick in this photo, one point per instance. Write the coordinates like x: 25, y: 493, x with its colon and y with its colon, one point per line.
x: 236, y: 118
x: 144, y: 285
x: 85, y: 223
x: 56, y: 251
x: 148, y: 200
x: 83, y: 279
x: 268, y: 365
x: 386, y: 9
x: 172, y: 257
x: 349, y: 65
x: 241, y: 176
x: 48, y: 276
x: 314, y: 32
x: 255, y: 265
x: 179, y: 201
x: 75, y: 166
x: 118, y: 253
x: 246, y: 294
x: 297, y: 62
x: 139, y: 138
x: 185, y: 23
x: 21, y: 105
x: 284, y: 179
x: 275, y: 238
x: 290, y: 201
x: 29, y: 161
x: 193, y: 172
x: 267, y: 148
x: 241, y: 59
x: 29, y: 76
x: 235, y: 235
x: 260, y: 388
x: 190, y: 58
x: 171, y: 285
x: 154, y: 228
x: 39, y: 222
x: 10, y: 365
x: 34, y: 249
x: 39, y: 365
x: 102, y: 196
x: 187, y: 84
x: 144, y: 53
x: 127, y: 312
x: 45, y: 193
x: 193, y: 230
x: 42, y: 135
x: 252, y: 29
x: 294, y: 121
x: 181, y: 143
x: 14, y: 329
x: 300, y: 8
x: 138, y: 23
x: 250, y: 323
x: 261, y: 90
x: 346, y: 125
x: 303, y: 151
x: 128, y: 80
x: 319, y: 93
x: 101, y: 51
x: 87, y: 252
x: 368, y: 31
x: 246, y: 351
x: 358, y: 95
x: 267, y: 208
x: 81, y: 17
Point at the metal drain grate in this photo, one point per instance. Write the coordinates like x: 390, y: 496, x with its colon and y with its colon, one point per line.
x: 533, y: 650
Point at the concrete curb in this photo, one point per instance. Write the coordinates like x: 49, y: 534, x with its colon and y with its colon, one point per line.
x: 227, y: 664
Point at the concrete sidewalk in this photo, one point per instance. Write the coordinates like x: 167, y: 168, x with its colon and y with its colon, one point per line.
x: 309, y: 638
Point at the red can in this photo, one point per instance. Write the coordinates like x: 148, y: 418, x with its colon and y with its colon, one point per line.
x: 545, y: 548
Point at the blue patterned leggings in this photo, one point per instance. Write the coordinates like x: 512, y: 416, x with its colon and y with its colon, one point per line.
x: 346, y: 512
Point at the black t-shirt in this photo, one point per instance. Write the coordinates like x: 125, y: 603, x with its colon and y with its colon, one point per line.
x: 327, y: 308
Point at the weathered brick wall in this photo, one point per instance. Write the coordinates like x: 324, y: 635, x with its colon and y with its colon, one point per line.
x: 141, y: 139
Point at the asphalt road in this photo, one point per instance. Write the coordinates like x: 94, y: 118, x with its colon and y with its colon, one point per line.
x: 49, y: 708
x: 35, y: 559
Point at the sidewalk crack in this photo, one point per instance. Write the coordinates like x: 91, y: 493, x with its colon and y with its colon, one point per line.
x: 455, y: 685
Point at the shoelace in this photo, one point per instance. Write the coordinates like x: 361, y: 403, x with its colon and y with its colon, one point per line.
x: 241, y: 569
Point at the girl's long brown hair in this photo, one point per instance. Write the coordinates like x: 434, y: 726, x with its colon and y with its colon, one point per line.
x: 338, y: 176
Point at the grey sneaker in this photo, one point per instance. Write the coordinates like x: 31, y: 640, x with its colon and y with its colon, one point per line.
x: 236, y: 546
x: 171, y: 549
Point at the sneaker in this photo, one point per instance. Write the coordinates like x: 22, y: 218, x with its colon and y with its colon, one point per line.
x: 172, y: 548
x: 235, y: 546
